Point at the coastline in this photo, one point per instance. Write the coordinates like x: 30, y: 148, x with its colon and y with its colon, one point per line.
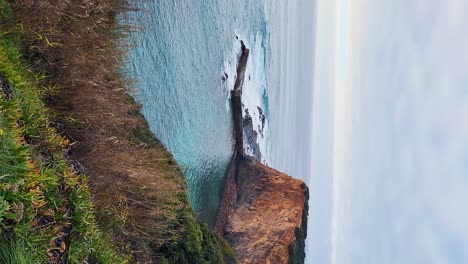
x: 263, y: 212
x: 229, y: 196
x: 125, y: 196
x: 133, y: 193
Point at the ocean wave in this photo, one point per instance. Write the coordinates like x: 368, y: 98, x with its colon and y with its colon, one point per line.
x: 255, y: 92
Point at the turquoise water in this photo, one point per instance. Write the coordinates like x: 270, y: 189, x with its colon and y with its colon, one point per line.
x: 179, y: 55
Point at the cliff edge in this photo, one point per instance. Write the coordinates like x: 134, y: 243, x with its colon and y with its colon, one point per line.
x: 87, y: 181
x: 267, y: 223
x: 263, y: 213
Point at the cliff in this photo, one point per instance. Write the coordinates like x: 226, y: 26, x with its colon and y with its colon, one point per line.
x: 85, y: 179
x: 267, y: 223
x: 263, y: 213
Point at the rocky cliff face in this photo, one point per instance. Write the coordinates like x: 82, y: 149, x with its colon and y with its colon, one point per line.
x: 263, y: 213
x: 268, y: 217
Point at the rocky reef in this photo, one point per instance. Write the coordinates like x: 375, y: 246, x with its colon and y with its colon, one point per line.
x: 251, y: 135
x: 263, y: 214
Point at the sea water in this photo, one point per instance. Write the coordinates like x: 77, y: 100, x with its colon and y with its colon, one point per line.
x: 184, y: 59
x: 290, y: 91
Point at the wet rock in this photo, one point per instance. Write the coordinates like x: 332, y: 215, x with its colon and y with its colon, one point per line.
x: 224, y: 77
x: 261, y: 116
x: 251, y: 136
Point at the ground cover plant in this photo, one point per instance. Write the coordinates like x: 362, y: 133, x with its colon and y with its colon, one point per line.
x: 82, y: 178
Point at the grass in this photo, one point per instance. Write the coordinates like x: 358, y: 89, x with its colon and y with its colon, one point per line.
x: 42, y: 199
x: 62, y: 60
x: 12, y: 252
x: 196, y: 243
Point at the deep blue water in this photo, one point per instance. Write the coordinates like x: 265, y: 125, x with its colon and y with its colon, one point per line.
x: 180, y: 52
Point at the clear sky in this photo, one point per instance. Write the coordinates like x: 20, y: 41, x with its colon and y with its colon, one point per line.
x: 390, y: 132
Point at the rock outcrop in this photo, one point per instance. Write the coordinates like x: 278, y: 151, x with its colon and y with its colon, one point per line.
x: 268, y: 220
x: 251, y: 136
x: 263, y: 213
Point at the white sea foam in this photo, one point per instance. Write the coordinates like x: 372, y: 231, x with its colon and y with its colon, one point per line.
x: 230, y: 68
x: 255, y: 86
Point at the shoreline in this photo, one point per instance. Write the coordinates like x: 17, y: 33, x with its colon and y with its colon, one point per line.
x: 132, y: 204
x: 263, y: 212
x: 229, y: 195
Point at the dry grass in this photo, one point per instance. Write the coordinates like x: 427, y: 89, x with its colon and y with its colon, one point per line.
x: 75, y: 48
x: 45, y: 210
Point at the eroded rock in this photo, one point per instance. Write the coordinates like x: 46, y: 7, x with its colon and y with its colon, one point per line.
x: 268, y: 221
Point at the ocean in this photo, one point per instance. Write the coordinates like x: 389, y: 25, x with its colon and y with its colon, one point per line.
x: 184, y: 57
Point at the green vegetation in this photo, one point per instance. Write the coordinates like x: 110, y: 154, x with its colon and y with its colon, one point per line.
x: 198, y: 244
x: 44, y: 206
x: 227, y: 251
x: 60, y: 67
x: 13, y: 253
x: 297, y: 247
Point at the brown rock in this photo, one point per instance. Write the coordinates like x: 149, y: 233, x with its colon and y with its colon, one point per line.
x: 268, y: 211
x: 263, y: 212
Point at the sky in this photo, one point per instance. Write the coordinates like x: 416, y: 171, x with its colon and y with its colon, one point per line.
x: 289, y: 89
x: 390, y: 132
